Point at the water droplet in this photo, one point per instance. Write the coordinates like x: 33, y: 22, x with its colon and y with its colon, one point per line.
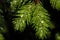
x: 42, y: 21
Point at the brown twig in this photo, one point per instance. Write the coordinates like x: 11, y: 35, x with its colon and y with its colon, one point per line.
x: 36, y: 1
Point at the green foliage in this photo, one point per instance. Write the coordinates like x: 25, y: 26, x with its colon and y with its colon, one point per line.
x: 18, y: 3
x: 14, y: 4
x: 41, y: 22
x: 2, y: 24
x: 1, y: 37
x: 1, y: 20
x: 33, y: 14
x: 55, y: 4
x: 57, y: 36
x: 24, y: 15
x: 26, y: 12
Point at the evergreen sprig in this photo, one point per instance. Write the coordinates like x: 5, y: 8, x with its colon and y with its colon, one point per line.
x: 41, y: 22
x: 55, y: 4
x: 29, y: 12
x: 35, y: 14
